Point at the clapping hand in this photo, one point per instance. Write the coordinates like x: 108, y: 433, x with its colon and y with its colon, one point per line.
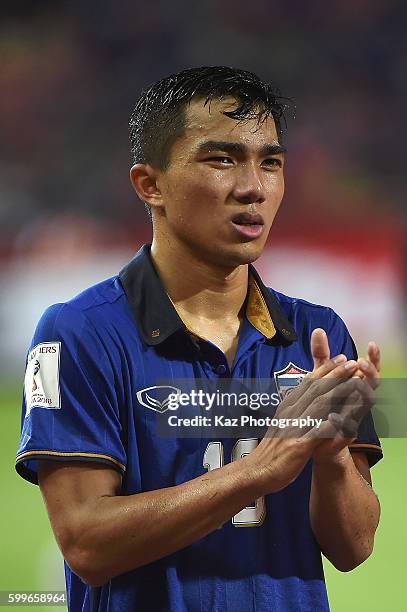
x: 367, y: 369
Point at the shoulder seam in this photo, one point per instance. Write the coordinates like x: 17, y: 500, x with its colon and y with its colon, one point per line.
x: 281, y: 297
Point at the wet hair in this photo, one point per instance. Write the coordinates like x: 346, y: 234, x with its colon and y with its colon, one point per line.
x: 158, y: 118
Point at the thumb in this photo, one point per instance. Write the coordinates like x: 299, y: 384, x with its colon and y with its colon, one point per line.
x: 319, y: 347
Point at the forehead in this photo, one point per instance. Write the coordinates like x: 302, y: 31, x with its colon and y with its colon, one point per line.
x: 203, y: 122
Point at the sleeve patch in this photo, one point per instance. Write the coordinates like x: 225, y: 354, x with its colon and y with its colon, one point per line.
x: 41, y: 383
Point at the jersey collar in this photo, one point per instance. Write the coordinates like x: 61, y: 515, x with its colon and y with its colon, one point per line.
x: 157, y: 318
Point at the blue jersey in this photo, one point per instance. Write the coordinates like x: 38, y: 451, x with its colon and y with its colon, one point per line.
x: 90, y: 362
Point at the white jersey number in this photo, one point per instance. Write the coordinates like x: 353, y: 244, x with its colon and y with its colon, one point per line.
x: 251, y: 516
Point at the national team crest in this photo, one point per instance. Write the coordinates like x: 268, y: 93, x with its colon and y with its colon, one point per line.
x: 288, y: 379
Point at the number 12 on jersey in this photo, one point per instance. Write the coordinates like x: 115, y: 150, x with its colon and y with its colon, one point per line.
x: 251, y: 516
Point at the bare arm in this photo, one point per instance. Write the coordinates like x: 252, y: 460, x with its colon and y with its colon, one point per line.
x: 344, y: 510
x: 103, y: 534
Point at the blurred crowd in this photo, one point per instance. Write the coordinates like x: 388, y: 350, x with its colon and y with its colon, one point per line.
x: 70, y: 73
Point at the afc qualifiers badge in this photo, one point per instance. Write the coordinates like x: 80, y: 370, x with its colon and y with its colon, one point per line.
x: 41, y: 383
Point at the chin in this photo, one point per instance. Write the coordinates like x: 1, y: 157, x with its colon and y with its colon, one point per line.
x: 227, y: 255
x: 242, y: 254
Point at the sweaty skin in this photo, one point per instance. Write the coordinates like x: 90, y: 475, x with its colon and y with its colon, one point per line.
x: 194, y: 203
x: 114, y: 544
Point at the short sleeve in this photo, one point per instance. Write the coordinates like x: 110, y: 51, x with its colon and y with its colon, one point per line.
x: 367, y: 441
x: 70, y: 410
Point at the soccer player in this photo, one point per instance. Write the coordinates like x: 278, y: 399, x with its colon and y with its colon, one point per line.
x: 192, y: 524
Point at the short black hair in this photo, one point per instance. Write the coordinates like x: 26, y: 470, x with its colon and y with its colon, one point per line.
x: 158, y: 118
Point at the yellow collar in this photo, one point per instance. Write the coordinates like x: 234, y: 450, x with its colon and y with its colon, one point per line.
x: 257, y: 312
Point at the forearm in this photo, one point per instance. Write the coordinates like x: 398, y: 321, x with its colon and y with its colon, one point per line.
x: 344, y: 512
x: 103, y: 534
x: 116, y: 534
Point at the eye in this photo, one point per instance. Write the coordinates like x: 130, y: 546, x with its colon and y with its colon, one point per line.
x: 221, y: 159
x: 273, y: 162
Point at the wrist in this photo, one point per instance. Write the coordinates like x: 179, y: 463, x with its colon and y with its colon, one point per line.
x: 339, y: 461
x: 259, y: 474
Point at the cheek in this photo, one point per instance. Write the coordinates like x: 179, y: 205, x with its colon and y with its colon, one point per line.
x: 280, y: 195
x: 282, y: 186
x: 198, y: 194
x: 275, y: 191
x: 276, y: 185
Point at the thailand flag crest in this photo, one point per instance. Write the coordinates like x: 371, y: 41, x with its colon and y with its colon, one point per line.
x: 288, y: 378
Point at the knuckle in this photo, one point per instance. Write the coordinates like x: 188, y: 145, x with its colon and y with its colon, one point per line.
x: 358, y: 384
x: 353, y: 384
x: 319, y: 405
x: 305, y: 384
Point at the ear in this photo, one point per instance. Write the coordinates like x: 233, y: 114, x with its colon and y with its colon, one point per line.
x: 144, y: 180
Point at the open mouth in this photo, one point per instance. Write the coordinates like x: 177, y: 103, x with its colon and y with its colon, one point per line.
x: 248, y: 225
x: 248, y: 219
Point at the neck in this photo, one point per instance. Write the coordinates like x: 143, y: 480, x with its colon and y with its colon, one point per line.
x: 198, y: 288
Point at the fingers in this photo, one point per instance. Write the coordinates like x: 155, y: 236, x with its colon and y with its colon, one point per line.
x: 319, y: 347
x: 340, y: 368
x: 308, y: 398
x: 327, y: 367
x: 345, y: 426
x: 325, y: 396
x: 327, y: 429
x: 343, y: 437
x: 369, y: 367
x: 315, y: 396
x: 351, y: 401
x: 317, y: 383
x: 373, y: 355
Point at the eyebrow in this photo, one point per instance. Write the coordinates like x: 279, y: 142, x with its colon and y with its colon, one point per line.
x: 237, y: 147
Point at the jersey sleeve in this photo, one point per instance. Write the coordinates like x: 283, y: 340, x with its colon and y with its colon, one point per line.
x: 367, y: 441
x: 70, y: 409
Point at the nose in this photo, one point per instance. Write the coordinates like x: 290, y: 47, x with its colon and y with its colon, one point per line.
x: 249, y: 188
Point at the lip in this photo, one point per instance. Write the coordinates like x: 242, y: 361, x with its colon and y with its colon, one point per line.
x: 246, y: 218
x: 248, y: 225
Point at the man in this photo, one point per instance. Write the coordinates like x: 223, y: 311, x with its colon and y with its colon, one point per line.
x: 148, y: 522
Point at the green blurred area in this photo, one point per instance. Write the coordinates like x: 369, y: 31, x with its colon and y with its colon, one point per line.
x: 31, y: 561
